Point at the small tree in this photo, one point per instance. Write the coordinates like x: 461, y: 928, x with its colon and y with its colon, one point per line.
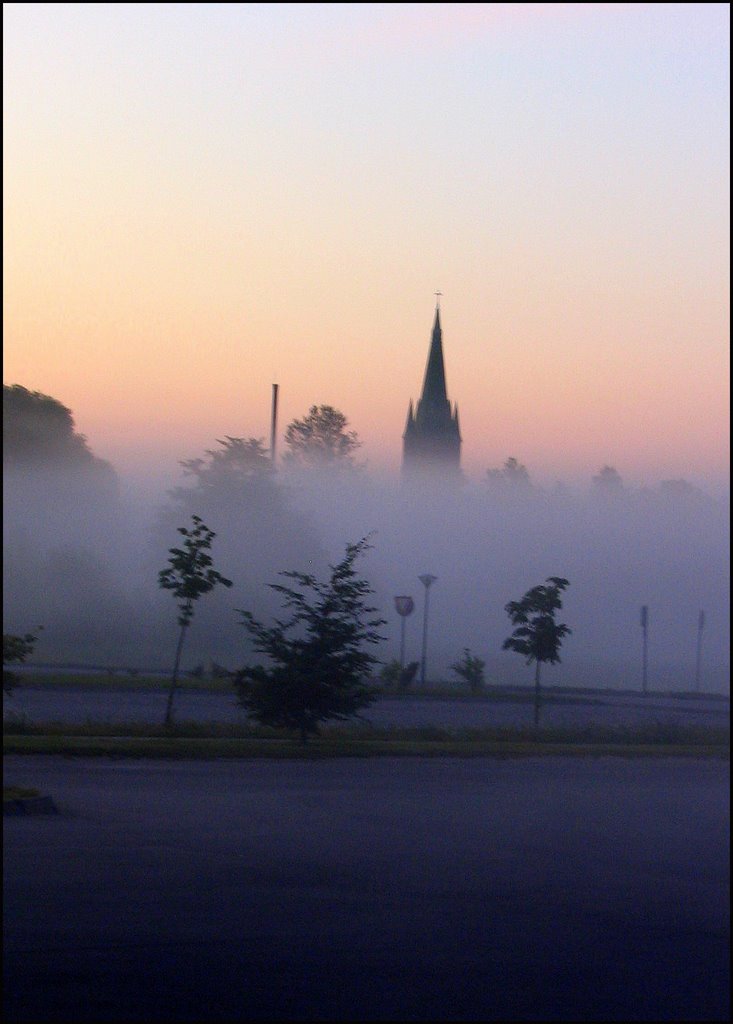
x: 319, y: 663
x: 320, y: 440
x: 471, y: 670
x: 189, y: 576
x: 398, y: 677
x: 537, y: 636
x: 15, y: 650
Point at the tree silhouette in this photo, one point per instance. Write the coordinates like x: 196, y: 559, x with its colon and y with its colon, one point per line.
x: 608, y: 482
x: 189, y: 576
x: 259, y: 531
x: 39, y: 431
x: 319, y: 661
x: 320, y: 440
x: 681, y: 494
x: 236, y: 462
x: 512, y: 474
x: 537, y: 636
x: 399, y: 677
x: 15, y: 650
x: 470, y: 668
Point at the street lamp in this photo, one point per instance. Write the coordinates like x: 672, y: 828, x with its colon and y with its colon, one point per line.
x: 644, y: 634
x: 405, y: 606
x: 698, y: 653
x: 427, y: 580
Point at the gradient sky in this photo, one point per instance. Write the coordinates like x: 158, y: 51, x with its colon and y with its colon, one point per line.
x: 201, y: 200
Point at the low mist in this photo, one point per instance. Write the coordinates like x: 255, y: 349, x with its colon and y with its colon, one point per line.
x: 84, y: 565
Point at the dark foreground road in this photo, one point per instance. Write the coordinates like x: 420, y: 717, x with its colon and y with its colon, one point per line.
x: 545, y: 889
x: 39, y: 705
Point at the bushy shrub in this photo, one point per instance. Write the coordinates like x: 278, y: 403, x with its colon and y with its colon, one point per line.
x: 471, y: 670
x: 319, y: 660
x: 395, y: 677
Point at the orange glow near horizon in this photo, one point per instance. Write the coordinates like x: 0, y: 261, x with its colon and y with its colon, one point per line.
x: 196, y: 217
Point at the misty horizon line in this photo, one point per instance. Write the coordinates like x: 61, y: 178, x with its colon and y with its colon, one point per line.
x: 715, y: 485
x: 578, y: 483
x: 390, y: 470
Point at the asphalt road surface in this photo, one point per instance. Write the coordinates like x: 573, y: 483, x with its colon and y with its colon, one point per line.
x: 41, y: 705
x: 406, y: 889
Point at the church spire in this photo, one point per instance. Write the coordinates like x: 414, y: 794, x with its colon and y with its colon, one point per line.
x: 434, y: 393
x: 432, y: 439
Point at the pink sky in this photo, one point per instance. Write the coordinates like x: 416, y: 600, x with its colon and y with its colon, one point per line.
x: 191, y: 214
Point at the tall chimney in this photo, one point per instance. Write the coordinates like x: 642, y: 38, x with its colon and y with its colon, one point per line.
x: 273, y: 426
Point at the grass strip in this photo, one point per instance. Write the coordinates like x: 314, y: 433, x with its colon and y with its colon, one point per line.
x: 118, y: 682
x: 188, y: 747
x: 682, y: 734
x: 19, y: 793
x: 130, y: 681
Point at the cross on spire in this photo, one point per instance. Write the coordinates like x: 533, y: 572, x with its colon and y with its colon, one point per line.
x: 437, y: 299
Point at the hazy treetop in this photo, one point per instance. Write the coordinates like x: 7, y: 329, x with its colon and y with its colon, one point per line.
x: 39, y: 431
x: 236, y: 461
x: 512, y: 474
x: 321, y: 440
x: 608, y: 481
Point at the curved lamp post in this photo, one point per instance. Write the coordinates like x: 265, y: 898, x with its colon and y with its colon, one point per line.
x: 404, y: 606
x: 644, y: 648
x: 427, y: 580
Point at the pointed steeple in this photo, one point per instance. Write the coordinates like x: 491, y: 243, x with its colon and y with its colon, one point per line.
x: 410, y: 420
x: 434, y: 393
x: 432, y: 438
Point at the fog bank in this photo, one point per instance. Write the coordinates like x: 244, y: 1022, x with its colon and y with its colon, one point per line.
x: 85, y: 567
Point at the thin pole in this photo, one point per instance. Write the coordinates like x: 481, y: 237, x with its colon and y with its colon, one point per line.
x: 644, y: 624
x: 273, y: 425
x: 424, y: 636
x: 427, y: 579
x: 174, y: 677
x: 402, y: 643
x: 698, y: 653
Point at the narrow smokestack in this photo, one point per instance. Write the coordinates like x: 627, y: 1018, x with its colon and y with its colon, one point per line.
x: 273, y: 427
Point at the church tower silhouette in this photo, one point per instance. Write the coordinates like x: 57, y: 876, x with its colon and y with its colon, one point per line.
x: 432, y: 438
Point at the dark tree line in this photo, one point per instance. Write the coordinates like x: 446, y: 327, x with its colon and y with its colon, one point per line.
x: 39, y: 433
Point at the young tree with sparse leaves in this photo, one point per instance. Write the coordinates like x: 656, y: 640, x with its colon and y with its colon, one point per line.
x: 319, y: 661
x: 189, y: 576
x: 471, y: 670
x: 537, y: 636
